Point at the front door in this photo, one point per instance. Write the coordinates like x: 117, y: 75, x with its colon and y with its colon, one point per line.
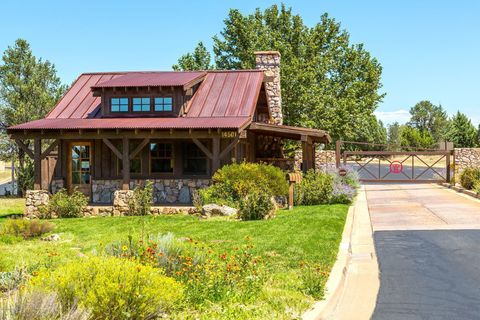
x: 79, y: 167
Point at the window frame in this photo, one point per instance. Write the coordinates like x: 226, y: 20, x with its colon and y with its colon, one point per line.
x: 172, y: 159
x: 202, y: 156
x: 119, y: 105
x: 141, y: 104
x: 163, y: 104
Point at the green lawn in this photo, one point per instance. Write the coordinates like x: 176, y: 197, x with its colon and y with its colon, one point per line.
x: 310, y: 234
x: 9, y: 206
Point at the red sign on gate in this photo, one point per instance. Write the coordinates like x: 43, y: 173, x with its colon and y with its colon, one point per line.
x: 396, y: 167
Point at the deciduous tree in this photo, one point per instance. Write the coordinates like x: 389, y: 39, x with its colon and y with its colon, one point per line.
x: 425, y: 116
x: 327, y: 82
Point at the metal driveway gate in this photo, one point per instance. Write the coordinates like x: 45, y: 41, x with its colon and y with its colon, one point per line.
x: 396, y: 166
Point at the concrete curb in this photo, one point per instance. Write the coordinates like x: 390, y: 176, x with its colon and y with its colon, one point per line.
x: 353, y: 284
x: 459, y: 189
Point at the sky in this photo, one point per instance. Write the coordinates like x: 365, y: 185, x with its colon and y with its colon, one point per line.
x: 429, y: 50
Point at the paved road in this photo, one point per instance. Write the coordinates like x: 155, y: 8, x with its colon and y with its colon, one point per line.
x: 429, y: 263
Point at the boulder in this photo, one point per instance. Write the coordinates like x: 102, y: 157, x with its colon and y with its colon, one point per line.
x: 217, y: 210
x: 52, y: 237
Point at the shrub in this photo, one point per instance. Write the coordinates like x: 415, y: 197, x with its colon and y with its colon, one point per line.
x: 64, y: 205
x: 25, y: 176
x: 206, y: 275
x: 469, y: 176
x: 315, y: 188
x: 163, y: 251
x: 12, y: 280
x: 234, y: 183
x: 26, y: 228
x: 37, y: 305
x: 141, y: 201
x: 112, y: 288
x: 256, y: 206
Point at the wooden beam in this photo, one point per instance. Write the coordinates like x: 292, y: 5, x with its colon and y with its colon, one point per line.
x: 113, y: 148
x: 126, y: 165
x: 22, y: 146
x: 228, y: 148
x: 215, y: 154
x: 139, y: 148
x: 111, y: 134
x: 49, y: 149
x: 37, y: 164
x: 203, y: 148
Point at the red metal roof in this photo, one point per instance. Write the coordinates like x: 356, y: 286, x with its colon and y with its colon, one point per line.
x: 225, y: 99
x: 226, y: 94
x: 135, y: 123
x: 152, y: 79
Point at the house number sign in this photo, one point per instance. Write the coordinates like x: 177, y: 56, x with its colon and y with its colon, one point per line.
x: 229, y: 134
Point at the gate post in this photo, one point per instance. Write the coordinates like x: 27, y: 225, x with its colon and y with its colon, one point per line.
x: 449, y: 154
x: 338, y: 145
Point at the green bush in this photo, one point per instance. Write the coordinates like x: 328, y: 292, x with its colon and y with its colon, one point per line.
x: 235, y: 183
x: 26, y: 228
x: 257, y: 205
x: 64, y: 205
x: 469, y: 176
x: 315, y: 188
x: 25, y: 176
x: 112, y: 288
x: 141, y: 201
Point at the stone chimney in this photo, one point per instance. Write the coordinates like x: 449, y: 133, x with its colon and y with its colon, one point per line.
x: 269, y: 62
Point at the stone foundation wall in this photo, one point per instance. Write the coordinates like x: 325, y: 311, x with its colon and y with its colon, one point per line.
x: 33, y: 200
x: 466, y: 157
x: 165, y: 191
x: 323, y: 159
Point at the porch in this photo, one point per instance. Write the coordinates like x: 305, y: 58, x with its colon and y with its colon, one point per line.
x: 177, y: 161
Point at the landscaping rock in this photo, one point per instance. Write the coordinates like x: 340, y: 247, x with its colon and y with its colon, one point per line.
x: 52, y: 237
x: 209, y: 210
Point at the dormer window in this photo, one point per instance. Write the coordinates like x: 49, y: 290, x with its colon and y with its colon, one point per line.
x: 163, y: 104
x: 141, y: 104
x: 119, y: 105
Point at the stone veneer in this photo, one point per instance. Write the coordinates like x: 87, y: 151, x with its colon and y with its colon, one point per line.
x: 269, y: 62
x: 323, y: 159
x: 33, y: 200
x: 466, y: 157
x: 165, y: 191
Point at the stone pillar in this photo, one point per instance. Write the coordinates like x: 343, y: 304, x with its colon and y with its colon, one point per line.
x: 269, y: 62
x: 34, y: 199
x: 120, y: 202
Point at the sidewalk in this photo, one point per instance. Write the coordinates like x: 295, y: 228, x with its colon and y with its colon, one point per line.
x: 353, y: 284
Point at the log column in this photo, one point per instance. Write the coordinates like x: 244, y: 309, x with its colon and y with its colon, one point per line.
x: 37, y: 164
x: 125, y: 164
x: 308, y: 154
x: 215, y: 154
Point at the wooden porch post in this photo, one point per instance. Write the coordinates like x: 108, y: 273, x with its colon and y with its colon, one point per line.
x: 125, y: 164
x: 215, y: 154
x: 37, y: 164
x: 307, y: 153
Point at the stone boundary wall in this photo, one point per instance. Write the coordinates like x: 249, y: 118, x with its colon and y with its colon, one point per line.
x: 466, y: 157
x: 323, y: 159
x: 165, y: 191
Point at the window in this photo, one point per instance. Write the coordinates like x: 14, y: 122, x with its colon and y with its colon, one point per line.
x: 119, y: 105
x: 194, y: 160
x: 135, y: 163
x: 141, y: 104
x: 164, y: 104
x: 161, y: 159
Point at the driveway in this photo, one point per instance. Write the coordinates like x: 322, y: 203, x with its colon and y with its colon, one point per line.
x: 427, y: 244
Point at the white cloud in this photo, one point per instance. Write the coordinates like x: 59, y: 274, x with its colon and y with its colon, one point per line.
x: 388, y: 117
